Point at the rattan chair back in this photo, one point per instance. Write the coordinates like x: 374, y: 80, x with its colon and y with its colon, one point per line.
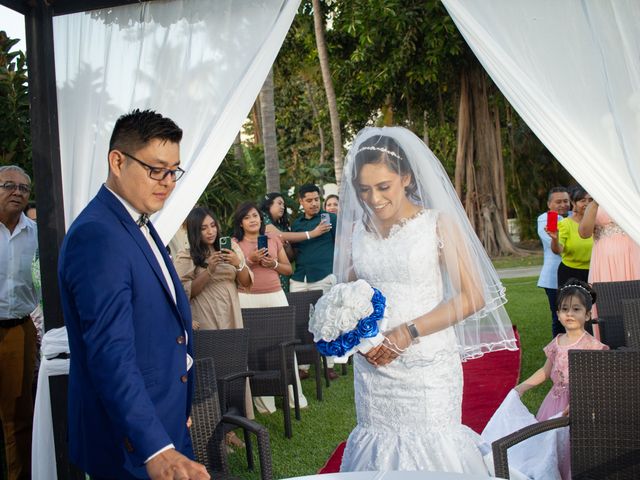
x: 609, y: 306
x: 631, y: 322
x: 307, y: 352
x: 303, y: 301
x: 271, y: 355
x: 605, y: 414
x: 206, y: 430
x: 230, y: 352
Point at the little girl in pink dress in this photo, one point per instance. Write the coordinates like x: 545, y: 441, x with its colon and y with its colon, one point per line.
x: 575, y: 301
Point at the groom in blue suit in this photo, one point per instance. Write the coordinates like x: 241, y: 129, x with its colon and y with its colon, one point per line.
x: 128, y: 318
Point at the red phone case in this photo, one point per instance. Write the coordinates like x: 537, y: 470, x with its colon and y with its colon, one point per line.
x: 552, y: 221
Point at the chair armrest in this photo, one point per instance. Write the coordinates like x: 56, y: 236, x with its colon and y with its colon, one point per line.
x: 264, y: 446
x: 500, y: 446
x: 237, y: 375
x: 295, y: 341
x: 224, y: 382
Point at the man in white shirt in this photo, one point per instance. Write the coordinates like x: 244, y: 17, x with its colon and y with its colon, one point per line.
x: 557, y: 201
x: 128, y: 317
x: 18, y: 236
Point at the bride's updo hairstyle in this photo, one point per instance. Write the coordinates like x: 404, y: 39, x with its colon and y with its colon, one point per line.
x: 381, y: 149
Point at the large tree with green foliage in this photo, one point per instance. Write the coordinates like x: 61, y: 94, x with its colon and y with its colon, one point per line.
x: 15, y: 137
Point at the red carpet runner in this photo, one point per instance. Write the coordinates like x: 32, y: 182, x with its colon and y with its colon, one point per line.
x: 487, y: 381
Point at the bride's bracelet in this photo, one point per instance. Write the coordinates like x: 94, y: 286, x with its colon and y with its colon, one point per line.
x: 393, y: 347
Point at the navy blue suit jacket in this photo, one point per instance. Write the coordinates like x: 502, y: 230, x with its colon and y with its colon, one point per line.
x: 129, y: 389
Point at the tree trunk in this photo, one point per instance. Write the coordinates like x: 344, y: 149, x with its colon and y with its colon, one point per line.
x: 501, y: 192
x: 323, y: 56
x: 270, y: 144
x: 479, y: 171
x: 387, y: 112
x: 257, y: 124
x: 425, y: 128
x: 238, y: 154
x: 316, y: 119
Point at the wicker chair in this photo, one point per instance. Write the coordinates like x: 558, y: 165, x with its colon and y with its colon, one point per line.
x: 230, y: 352
x: 207, y: 430
x: 271, y: 355
x: 604, y: 418
x: 631, y: 323
x: 307, y: 352
x: 609, y: 305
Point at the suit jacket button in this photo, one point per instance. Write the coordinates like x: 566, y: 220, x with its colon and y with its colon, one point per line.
x: 180, y: 340
x: 184, y: 378
x: 127, y: 445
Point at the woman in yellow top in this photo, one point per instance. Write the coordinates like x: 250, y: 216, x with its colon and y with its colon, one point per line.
x: 575, y: 250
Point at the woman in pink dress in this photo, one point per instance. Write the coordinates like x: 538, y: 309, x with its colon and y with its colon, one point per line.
x: 615, y: 256
x: 575, y: 300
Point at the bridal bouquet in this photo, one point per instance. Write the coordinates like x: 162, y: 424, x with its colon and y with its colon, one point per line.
x: 349, y: 317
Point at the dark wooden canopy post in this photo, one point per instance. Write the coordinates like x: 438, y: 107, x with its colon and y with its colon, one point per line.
x: 48, y: 184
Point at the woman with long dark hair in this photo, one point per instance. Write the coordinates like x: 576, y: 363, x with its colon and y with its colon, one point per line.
x: 211, y: 275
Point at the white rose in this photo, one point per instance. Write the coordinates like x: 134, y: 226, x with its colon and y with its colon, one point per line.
x: 328, y: 332
x: 347, y: 319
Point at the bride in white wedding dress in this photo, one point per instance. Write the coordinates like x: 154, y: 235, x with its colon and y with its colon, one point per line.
x: 402, y: 229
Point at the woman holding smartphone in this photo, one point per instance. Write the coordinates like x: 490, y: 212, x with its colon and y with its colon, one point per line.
x: 266, y: 257
x: 212, y: 275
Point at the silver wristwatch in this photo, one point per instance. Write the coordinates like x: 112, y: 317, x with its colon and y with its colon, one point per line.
x: 413, y: 331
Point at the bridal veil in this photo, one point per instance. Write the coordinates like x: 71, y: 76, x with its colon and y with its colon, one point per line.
x: 461, y: 253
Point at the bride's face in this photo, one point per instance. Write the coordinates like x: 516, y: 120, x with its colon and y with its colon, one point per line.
x: 382, y: 190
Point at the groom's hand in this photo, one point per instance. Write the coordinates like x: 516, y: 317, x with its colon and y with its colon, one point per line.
x: 172, y: 465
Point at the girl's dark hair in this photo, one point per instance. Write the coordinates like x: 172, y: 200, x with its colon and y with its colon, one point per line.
x: 265, y: 208
x: 576, y: 288
x: 199, y: 250
x: 374, y: 150
x: 577, y: 193
x: 241, y: 212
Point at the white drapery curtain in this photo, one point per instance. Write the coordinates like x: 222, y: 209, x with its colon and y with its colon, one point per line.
x: 571, y: 69
x: 199, y: 62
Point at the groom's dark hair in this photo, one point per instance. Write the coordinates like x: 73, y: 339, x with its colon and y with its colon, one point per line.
x: 134, y: 130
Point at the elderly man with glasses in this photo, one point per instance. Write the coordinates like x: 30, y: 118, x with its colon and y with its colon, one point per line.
x: 128, y: 317
x: 18, y: 299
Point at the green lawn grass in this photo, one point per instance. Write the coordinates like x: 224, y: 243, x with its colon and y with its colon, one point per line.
x: 511, y: 261
x: 325, y: 424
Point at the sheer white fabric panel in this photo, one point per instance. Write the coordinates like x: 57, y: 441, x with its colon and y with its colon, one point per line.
x: 572, y: 71
x: 199, y: 62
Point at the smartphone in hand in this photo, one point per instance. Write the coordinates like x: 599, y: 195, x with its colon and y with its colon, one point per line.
x: 263, y: 242
x: 225, y: 242
x: 552, y: 221
x: 326, y: 218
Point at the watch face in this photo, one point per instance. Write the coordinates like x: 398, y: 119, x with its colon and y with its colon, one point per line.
x: 413, y: 331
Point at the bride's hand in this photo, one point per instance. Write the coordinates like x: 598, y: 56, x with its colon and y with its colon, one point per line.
x: 395, y: 342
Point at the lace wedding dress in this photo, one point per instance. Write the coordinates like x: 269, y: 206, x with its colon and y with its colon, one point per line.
x: 409, y: 412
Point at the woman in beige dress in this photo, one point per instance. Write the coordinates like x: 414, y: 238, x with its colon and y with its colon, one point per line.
x: 211, y: 275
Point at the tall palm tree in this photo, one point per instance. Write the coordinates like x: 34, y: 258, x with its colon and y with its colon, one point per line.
x: 270, y: 143
x: 323, y: 56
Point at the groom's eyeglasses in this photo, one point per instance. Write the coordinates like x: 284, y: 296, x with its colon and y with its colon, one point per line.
x: 158, y: 173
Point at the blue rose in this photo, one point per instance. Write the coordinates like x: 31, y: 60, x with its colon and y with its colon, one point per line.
x: 349, y: 340
x: 330, y: 349
x: 378, y: 310
x: 367, y: 327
